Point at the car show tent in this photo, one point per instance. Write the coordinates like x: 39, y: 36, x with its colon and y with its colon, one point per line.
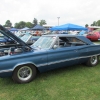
x: 13, y: 29
x: 68, y: 27
x: 25, y: 29
x: 38, y: 27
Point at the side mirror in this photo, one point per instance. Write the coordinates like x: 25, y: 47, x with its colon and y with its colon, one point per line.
x: 55, y: 46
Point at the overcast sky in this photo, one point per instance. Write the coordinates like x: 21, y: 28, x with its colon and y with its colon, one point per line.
x: 78, y: 12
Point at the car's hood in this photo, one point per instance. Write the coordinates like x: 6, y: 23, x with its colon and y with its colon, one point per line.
x: 12, y: 36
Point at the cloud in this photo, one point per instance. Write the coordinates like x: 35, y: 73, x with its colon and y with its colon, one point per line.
x: 79, y: 12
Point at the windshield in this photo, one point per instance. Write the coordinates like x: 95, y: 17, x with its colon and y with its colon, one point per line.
x: 44, y: 42
x: 25, y: 38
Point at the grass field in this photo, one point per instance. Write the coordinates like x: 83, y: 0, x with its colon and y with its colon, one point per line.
x: 71, y: 83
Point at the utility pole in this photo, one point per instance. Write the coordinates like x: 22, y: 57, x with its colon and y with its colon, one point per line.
x: 58, y: 20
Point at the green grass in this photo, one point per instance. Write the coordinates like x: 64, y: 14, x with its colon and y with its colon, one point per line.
x: 97, y: 42
x: 72, y: 83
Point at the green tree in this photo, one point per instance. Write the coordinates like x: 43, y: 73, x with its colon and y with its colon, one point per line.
x: 20, y: 25
x: 94, y: 23
x: 42, y: 22
x: 86, y: 25
x: 8, y: 24
x: 29, y: 25
x: 16, y: 25
x: 35, y: 22
x: 98, y: 23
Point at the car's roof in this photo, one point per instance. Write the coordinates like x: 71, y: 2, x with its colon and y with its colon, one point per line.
x: 80, y: 37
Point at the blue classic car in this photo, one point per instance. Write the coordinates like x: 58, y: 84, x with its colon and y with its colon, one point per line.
x: 22, y: 62
x: 4, y: 40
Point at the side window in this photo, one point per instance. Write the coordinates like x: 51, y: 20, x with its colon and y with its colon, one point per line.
x: 59, y: 43
x: 73, y: 39
x: 63, y: 42
x: 76, y: 42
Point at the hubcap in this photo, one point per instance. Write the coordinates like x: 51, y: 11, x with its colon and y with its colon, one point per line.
x: 94, y: 60
x: 24, y: 73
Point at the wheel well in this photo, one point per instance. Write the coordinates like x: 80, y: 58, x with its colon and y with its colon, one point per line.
x: 28, y: 64
x: 34, y: 66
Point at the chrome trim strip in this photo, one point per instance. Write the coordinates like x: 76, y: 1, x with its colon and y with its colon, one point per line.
x: 66, y: 60
x: 4, y: 71
x: 40, y: 65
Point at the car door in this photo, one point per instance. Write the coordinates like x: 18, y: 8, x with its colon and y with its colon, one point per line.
x: 62, y: 57
x: 83, y: 53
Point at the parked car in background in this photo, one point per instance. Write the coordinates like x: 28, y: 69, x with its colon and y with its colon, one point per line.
x: 5, y: 40
x: 22, y: 62
x: 84, y: 33
x: 94, y: 36
x: 19, y: 34
x: 29, y: 38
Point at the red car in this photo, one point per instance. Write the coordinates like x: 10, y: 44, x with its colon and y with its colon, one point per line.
x: 93, y: 36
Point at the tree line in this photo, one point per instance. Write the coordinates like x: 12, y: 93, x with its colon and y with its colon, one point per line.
x: 95, y: 23
x: 23, y: 24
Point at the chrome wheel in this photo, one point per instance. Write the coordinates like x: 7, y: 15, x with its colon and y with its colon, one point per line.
x: 24, y: 73
x: 94, y: 60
